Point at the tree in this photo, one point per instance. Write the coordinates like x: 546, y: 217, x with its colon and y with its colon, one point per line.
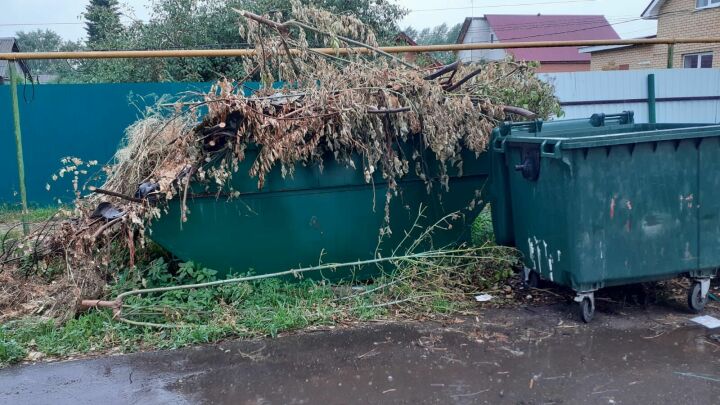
x: 103, y: 20
x: 192, y: 24
x: 380, y: 15
x: 46, y: 41
x: 440, y: 34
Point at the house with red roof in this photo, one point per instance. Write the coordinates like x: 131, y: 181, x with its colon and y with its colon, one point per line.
x: 523, y: 28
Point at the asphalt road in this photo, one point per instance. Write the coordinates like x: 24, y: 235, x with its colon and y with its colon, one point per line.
x: 519, y: 356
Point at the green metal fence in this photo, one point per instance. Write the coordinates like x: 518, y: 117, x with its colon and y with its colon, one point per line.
x: 58, y: 120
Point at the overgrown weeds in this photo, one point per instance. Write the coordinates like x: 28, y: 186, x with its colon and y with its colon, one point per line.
x: 368, y: 111
x: 420, y: 288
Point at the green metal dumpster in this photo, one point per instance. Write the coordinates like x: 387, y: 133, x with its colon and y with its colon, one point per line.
x: 329, y: 214
x: 593, y: 206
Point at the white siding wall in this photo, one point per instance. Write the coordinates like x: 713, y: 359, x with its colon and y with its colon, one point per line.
x: 632, y: 84
x: 480, y: 31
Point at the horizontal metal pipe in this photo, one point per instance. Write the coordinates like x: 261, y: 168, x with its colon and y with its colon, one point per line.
x: 639, y: 100
x: 198, y: 53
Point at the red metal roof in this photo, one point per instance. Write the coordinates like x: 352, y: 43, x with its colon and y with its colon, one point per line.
x: 521, y: 28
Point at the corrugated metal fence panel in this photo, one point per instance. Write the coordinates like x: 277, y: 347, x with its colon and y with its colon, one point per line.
x: 88, y: 120
x: 58, y: 120
x: 591, y: 91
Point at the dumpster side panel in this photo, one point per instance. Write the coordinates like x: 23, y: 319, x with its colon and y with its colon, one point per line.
x: 708, y: 203
x: 636, y: 217
x: 541, y: 217
x: 328, y: 216
x: 500, y: 196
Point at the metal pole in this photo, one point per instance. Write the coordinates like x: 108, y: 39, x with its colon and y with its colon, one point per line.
x: 671, y: 49
x: 651, y: 98
x: 18, y: 146
x: 197, y: 53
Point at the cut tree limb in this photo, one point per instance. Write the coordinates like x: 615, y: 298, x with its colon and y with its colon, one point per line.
x: 118, y: 195
x: 464, y: 79
x: 388, y: 110
x: 284, y: 26
x: 445, y: 69
x: 519, y: 111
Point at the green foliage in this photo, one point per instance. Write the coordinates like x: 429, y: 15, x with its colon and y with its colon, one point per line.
x: 188, y: 272
x: 46, y: 41
x: 190, y: 24
x: 440, y: 34
x: 482, y: 228
x: 421, y: 286
x: 249, y: 309
x: 10, y: 350
x: 102, y: 21
x: 10, y: 214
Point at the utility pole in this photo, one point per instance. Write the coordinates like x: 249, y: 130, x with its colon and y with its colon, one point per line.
x: 18, y: 145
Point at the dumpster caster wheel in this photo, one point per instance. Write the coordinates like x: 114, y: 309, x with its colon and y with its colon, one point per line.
x: 532, y: 279
x: 587, y: 310
x: 696, y: 298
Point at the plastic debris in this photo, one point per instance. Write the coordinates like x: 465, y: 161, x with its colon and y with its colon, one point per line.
x: 707, y: 321
x: 483, y: 297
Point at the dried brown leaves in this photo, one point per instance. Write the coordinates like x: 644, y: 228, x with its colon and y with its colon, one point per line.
x: 360, y: 108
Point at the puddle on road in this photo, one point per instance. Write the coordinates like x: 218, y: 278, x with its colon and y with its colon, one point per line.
x: 405, y: 365
x: 542, y: 361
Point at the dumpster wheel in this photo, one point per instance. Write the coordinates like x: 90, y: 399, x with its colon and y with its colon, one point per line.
x: 587, y: 310
x: 531, y: 278
x: 586, y: 305
x: 696, y: 300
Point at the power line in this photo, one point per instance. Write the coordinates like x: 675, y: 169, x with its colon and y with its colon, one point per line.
x: 545, y: 24
x: 590, y: 28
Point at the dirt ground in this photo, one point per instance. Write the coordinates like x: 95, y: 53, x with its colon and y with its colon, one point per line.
x: 526, y: 355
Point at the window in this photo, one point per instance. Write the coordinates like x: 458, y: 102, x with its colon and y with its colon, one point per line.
x: 698, y: 60
x: 706, y: 3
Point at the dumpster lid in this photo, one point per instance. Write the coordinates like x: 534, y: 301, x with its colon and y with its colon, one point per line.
x: 636, y: 133
x: 598, y: 122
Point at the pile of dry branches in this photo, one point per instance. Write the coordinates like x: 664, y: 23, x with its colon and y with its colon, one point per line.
x: 360, y: 104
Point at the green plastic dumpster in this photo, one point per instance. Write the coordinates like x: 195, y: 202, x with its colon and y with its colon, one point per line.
x: 593, y: 206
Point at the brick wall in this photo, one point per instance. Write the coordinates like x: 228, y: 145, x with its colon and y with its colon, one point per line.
x: 634, y: 57
x: 677, y: 19
x: 549, y: 67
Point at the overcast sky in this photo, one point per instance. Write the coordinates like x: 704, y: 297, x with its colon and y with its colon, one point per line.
x: 63, y: 16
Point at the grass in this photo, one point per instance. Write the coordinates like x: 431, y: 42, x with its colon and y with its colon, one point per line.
x: 11, y: 214
x: 264, y: 308
x: 253, y: 309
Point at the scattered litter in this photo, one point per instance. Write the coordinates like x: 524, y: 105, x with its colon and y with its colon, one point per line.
x: 371, y: 353
x: 483, y: 297
x: 35, y: 356
x: 707, y: 321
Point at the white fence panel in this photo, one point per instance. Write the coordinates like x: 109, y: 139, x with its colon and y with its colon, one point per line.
x: 682, y: 95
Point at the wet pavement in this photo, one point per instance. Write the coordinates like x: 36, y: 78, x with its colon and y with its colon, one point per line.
x: 519, y: 356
